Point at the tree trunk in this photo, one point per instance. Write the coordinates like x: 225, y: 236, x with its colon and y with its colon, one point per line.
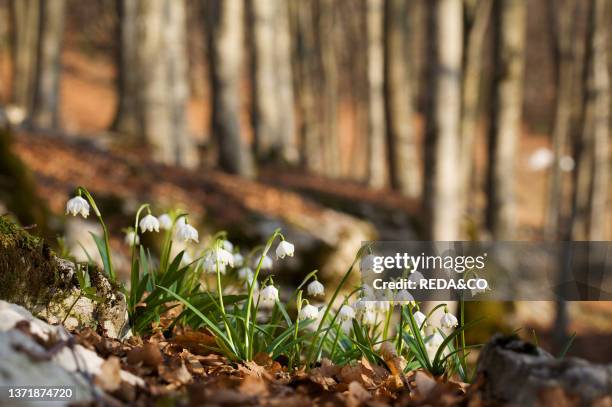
x: 509, y: 22
x: 46, y: 92
x: 563, y: 23
x: 225, y: 52
x: 377, y: 176
x: 25, y: 16
x: 478, y: 13
x: 272, y: 83
x: 402, y: 147
x: 127, y: 118
x: 306, y: 69
x: 445, y: 20
x: 591, y: 183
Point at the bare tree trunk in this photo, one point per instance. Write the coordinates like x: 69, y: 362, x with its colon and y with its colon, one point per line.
x: 25, y: 16
x: 127, y: 118
x: 225, y: 52
x: 305, y: 57
x: 402, y: 146
x: 327, y: 38
x: 272, y: 84
x: 509, y: 21
x: 445, y: 19
x: 377, y: 177
x: 592, y: 177
x: 563, y: 37
x: 479, y: 13
x: 46, y: 92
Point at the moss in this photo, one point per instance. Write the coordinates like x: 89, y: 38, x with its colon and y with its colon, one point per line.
x: 29, y: 273
x: 17, y: 188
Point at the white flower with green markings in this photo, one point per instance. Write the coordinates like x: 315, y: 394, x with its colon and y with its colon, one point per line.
x: 185, y: 233
x: 315, y: 289
x: 283, y: 249
x: 77, y: 206
x: 149, y: 224
x: 269, y: 295
x: 308, y: 312
x: 448, y: 320
x: 346, y: 313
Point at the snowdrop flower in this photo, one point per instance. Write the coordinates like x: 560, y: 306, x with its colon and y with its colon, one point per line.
x: 266, y: 263
x: 432, y: 344
x: 130, y: 235
x: 346, y: 313
x: 165, y: 221
x: 369, y: 318
x: 308, y: 312
x: 283, y: 249
x: 77, y: 205
x: 227, y: 245
x: 315, y: 289
x: 149, y: 224
x: 269, y: 295
x: 222, y: 256
x: 246, y: 273
x: 367, y: 263
x: 448, y: 320
x: 419, y: 318
x: 185, y: 232
x: 210, y: 266
x: 238, y: 259
x: 361, y: 306
x: 404, y: 297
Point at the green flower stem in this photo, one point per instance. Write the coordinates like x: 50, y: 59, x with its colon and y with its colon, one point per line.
x: 111, y: 272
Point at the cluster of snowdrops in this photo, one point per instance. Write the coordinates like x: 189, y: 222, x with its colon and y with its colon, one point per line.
x: 232, y: 295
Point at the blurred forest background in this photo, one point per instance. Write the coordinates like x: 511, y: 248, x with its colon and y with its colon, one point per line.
x: 341, y: 121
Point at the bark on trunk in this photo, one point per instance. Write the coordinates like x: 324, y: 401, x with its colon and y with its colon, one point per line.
x: 377, y: 177
x: 479, y: 14
x: 225, y: 54
x: 25, y: 16
x: 46, y: 92
x: 445, y: 18
x: 272, y: 84
x: 127, y: 118
x: 402, y: 146
x: 509, y: 21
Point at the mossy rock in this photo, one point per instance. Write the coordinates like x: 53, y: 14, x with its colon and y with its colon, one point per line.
x: 32, y: 276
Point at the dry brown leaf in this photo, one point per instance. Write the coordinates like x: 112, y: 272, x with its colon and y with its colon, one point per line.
x: 356, y: 395
x: 109, y: 378
x: 253, y: 386
x: 250, y: 368
x: 197, y: 342
x: 176, y: 373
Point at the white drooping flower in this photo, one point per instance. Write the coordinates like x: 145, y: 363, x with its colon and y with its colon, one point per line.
x: 269, y: 295
x: 238, y: 259
x: 149, y: 224
x: 210, y: 266
x: 220, y: 258
x: 130, y: 235
x: 432, y: 344
x: 361, y: 306
x: 227, y: 245
x: 369, y: 318
x: 315, y: 288
x: 403, y: 297
x: 283, y: 249
x: 266, y: 263
x: 419, y: 318
x: 76, y: 206
x: 246, y: 274
x: 448, y: 320
x: 165, y: 221
x: 346, y: 313
x: 308, y: 312
x: 367, y: 263
x: 185, y: 232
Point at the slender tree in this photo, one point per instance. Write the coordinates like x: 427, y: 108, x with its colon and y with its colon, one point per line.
x: 25, y: 16
x: 509, y: 22
x: 128, y: 120
x: 272, y: 83
x: 401, y: 143
x: 46, y: 90
x: 225, y: 53
x: 445, y: 32
x: 377, y: 175
x: 478, y: 13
